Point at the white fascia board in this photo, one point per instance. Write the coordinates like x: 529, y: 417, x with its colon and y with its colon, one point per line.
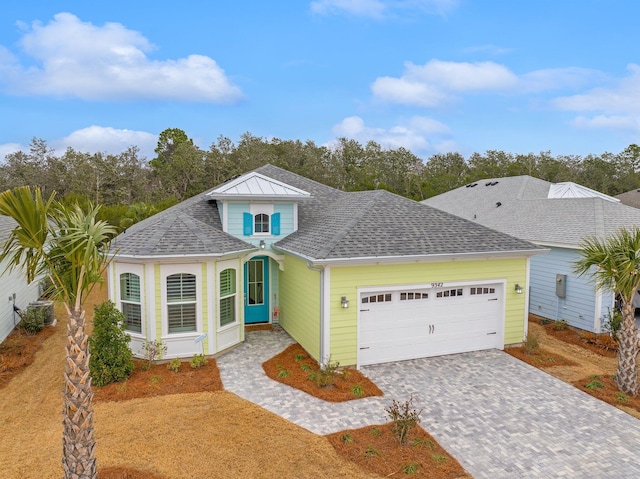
x: 374, y: 260
x: 173, y: 258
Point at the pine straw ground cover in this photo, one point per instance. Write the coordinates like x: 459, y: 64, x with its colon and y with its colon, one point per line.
x: 18, y: 351
x: 375, y: 449
x: 294, y: 366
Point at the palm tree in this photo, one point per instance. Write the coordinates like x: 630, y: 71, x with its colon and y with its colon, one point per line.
x: 614, y: 264
x: 70, y: 247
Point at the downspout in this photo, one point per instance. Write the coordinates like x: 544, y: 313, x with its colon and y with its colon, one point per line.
x: 320, y: 269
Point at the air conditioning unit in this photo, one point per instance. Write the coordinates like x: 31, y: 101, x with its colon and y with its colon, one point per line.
x: 47, y: 306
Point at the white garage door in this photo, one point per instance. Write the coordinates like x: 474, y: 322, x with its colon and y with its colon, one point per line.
x: 419, y: 322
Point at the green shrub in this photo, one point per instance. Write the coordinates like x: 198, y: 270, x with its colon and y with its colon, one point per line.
x: 613, y: 323
x: 326, y: 374
x: 561, y: 325
x: 111, y: 359
x: 174, y: 365
x: 32, y: 320
x: 198, y: 361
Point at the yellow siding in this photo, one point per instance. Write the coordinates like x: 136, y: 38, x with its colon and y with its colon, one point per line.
x: 346, y: 280
x: 300, y: 304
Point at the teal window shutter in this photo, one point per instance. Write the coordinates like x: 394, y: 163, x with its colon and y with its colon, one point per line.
x: 247, y: 224
x: 275, y: 223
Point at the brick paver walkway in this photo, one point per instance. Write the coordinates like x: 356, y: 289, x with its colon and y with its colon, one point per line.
x: 498, y: 416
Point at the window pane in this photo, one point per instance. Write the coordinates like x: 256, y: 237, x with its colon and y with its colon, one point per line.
x: 227, y: 310
x: 130, y: 287
x: 181, y: 287
x: 133, y: 317
x: 227, y: 282
x: 261, y: 223
x: 182, y: 317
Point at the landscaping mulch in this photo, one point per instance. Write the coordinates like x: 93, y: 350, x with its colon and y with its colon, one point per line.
x: 294, y: 365
x: 605, y: 389
x: 539, y: 357
x: 18, y: 350
x: 375, y: 449
x: 158, y: 380
x: 602, y: 344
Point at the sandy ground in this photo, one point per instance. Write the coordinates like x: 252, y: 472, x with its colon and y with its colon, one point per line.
x: 200, y: 435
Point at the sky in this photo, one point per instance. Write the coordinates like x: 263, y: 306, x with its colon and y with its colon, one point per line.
x: 432, y: 76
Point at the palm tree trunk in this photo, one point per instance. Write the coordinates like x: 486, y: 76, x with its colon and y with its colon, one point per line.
x: 627, y: 373
x: 78, y: 444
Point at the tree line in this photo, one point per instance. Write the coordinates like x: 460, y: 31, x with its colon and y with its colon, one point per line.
x: 131, y: 188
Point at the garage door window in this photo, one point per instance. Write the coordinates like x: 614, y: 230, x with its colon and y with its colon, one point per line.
x: 482, y: 291
x: 377, y: 298
x: 408, y: 296
x: 449, y: 293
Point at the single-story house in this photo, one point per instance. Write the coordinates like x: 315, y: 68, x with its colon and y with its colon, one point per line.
x: 14, y: 287
x: 557, y: 216
x: 354, y: 277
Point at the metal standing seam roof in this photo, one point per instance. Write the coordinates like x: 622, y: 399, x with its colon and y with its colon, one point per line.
x: 521, y: 206
x: 332, y: 225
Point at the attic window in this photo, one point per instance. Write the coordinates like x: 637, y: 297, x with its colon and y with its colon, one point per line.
x: 261, y: 223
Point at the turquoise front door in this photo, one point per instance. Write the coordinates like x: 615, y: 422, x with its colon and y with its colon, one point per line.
x: 256, y: 290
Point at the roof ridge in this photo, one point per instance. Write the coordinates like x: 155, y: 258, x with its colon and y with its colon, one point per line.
x: 353, y: 221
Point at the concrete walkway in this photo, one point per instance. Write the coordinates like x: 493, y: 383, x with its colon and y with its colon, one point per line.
x: 498, y: 416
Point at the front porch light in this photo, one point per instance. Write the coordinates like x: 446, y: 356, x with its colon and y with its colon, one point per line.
x: 518, y: 289
x: 262, y: 245
x: 344, y: 302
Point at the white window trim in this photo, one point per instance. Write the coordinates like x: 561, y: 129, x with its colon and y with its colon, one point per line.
x: 168, y: 270
x: 220, y: 267
x: 261, y: 208
x: 137, y: 269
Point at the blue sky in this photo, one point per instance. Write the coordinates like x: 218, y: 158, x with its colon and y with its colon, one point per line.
x: 429, y: 75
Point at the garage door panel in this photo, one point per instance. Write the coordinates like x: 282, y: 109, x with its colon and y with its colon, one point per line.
x: 435, y: 324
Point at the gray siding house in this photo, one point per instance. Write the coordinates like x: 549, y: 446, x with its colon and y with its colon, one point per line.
x: 557, y: 217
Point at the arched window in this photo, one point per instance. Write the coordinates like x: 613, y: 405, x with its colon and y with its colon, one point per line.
x: 227, y: 297
x: 181, y: 302
x: 130, y: 303
x: 261, y: 223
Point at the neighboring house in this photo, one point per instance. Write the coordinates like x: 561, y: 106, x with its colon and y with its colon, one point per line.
x: 13, y: 286
x: 555, y: 216
x: 630, y: 198
x: 359, y: 278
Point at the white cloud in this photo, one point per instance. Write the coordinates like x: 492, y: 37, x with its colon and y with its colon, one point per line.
x: 620, y: 123
x: 95, y: 139
x: 419, y: 135
x: 623, y: 96
x: 438, y: 83
x: 79, y: 59
x: 381, y: 8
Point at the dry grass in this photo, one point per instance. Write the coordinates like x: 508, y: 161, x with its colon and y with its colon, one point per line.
x: 294, y: 365
x: 199, y: 435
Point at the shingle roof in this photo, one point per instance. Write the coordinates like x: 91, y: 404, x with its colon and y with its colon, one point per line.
x: 630, y: 198
x: 332, y: 225
x: 192, y: 227
x: 525, y: 211
x: 6, y: 225
x: 338, y: 225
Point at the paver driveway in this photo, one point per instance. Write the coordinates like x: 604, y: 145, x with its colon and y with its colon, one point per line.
x: 498, y: 416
